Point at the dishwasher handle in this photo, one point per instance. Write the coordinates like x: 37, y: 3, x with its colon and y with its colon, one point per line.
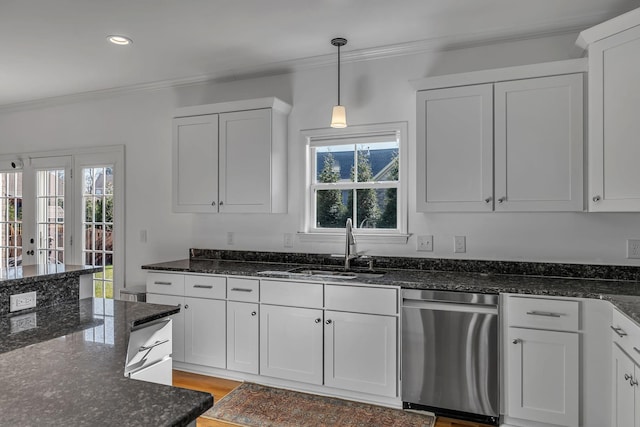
x: 450, y: 306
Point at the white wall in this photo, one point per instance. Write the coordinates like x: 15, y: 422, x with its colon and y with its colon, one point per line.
x: 373, y: 91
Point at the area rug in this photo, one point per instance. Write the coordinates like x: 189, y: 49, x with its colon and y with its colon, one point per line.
x: 255, y: 405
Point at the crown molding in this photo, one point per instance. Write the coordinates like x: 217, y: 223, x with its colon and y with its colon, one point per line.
x: 437, y: 44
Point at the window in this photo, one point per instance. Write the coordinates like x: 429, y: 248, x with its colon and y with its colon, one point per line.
x: 357, y: 173
x: 10, y: 219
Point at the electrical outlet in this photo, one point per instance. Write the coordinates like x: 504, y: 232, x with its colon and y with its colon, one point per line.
x: 22, y: 301
x: 23, y: 322
x: 633, y: 248
x: 288, y: 240
x: 459, y: 244
x: 230, y: 238
x: 425, y: 243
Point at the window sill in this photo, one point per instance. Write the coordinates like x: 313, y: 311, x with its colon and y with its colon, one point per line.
x: 397, y: 239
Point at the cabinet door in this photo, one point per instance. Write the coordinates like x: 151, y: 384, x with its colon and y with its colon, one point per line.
x: 205, y: 332
x: 195, y: 164
x: 538, y: 144
x: 542, y: 376
x: 245, y: 161
x: 242, y: 337
x: 455, y: 149
x: 178, y: 322
x: 291, y: 343
x: 614, y: 102
x: 623, y: 408
x: 361, y: 352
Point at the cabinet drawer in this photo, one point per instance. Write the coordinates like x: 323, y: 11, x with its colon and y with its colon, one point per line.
x: 361, y: 299
x: 240, y: 289
x: 542, y: 313
x: 297, y: 294
x: 165, y: 283
x: 205, y: 286
x: 626, y: 333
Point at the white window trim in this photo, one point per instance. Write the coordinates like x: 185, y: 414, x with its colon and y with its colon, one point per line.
x: 314, y: 137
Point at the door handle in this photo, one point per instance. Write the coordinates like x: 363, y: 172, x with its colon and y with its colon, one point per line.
x: 621, y: 333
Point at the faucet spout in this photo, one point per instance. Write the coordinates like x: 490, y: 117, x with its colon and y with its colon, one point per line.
x: 350, y: 251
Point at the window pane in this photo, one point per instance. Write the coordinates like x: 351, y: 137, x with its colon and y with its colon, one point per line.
x: 331, y: 208
x: 334, y: 163
x: 377, y: 162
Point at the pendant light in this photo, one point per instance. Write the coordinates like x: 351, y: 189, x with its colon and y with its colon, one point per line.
x: 339, y: 114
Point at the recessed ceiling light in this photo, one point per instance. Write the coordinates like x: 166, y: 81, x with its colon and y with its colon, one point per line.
x: 119, y: 40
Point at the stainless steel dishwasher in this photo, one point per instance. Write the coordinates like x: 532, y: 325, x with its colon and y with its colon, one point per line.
x: 450, y: 354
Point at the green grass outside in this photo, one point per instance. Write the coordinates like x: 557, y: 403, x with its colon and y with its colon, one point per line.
x: 104, y: 277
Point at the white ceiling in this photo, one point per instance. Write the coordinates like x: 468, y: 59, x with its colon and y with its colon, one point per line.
x: 52, y: 48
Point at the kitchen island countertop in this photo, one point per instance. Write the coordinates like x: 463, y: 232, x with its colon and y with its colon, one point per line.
x: 625, y: 295
x: 64, y: 365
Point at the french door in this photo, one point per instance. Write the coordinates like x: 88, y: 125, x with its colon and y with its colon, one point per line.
x: 67, y: 209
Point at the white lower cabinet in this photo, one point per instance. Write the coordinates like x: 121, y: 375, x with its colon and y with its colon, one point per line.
x: 542, y: 361
x: 205, y: 332
x: 178, y: 322
x: 626, y: 397
x: 543, y: 376
x: 360, y: 352
x: 242, y: 337
x: 291, y: 343
x: 341, y: 336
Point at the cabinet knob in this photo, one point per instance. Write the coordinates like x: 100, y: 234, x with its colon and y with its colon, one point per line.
x: 516, y: 341
x: 328, y: 322
x: 318, y: 320
x: 627, y: 377
x: 488, y: 199
x: 502, y: 199
x: 596, y: 198
x: 213, y: 203
x: 186, y: 306
x: 253, y: 313
x: 221, y: 203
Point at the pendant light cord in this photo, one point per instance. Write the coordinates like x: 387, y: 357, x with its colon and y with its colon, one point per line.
x: 339, y: 75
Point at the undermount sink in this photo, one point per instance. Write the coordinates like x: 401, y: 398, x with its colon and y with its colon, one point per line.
x: 337, y: 273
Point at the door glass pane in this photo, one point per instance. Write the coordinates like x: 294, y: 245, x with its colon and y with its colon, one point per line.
x: 10, y: 219
x: 50, y: 216
x: 97, y: 204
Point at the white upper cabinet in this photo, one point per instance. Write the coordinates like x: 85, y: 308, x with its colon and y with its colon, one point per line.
x: 504, y: 140
x: 195, y: 163
x: 539, y: 144
x: 455, y: 149
x: 614, y: 102
x: 231, y: 157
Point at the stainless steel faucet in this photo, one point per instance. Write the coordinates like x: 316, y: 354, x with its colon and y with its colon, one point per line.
x: 350, y: 250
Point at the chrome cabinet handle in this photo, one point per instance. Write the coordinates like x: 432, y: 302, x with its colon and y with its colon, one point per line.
x: 516, y: 341
x: 213, y: 203
x: 596, y: 198
x: 328, y: 322
x: 203, y: 286
x: 488, y: 199
x: 502, y: 199
x: 221, y: 203
x: 253, y: 313
x: 318, y: 320
x: 155, y: 344
x: 633, y: 382
x: 186, y: 306
x: 543, y: 313
x: 242, y: 289
x: 162, y: 283
x: 621, y: 333
x: 627, y: 377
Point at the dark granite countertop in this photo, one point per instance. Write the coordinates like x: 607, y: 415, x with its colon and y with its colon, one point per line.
x: 623, y: 294
x: 64, y: 365
x: 27, y: 273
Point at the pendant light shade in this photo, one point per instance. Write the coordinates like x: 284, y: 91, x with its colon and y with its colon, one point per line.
x: 339, y: 114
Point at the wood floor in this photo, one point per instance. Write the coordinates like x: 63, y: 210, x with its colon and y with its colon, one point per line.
x: 219, y: 387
